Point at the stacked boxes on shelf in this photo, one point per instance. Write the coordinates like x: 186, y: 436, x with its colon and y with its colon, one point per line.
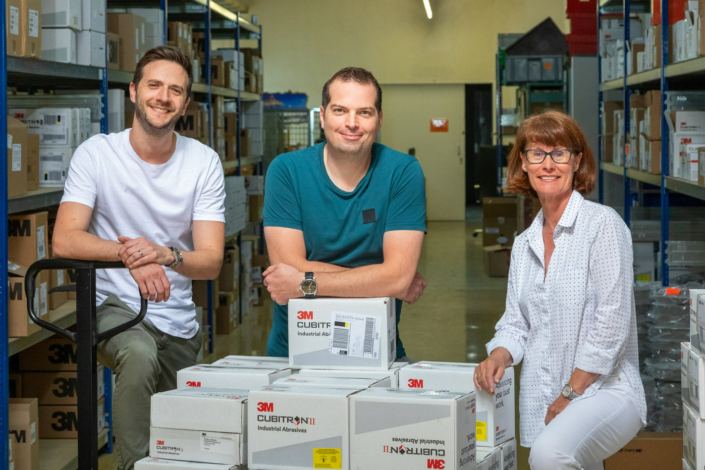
x: 650, y: 134
x: 235, y: 205
x: 194, y: 122
x: 612, y: 47
x: 607, y: 139
x: 23, y: 425
x: 131, y: 29
x: 227, y: 312
x: 637, y: 105
x: 73, y: 31
x: 154, y: 25
x: 24, y: 28
x: 252, y: 134
x: 225, y: 71
x: 91, y: 40
x: 254, y: 186
x: 685, y: 117
x: 693, y: 372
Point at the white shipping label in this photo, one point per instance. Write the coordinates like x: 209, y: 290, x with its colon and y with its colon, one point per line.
x: 354, y: 335
x: 60, y: 277
x: 33, y: 23
x: 14, y: 21
x: 41, y: 243
x: 9, y: 141
x: 218, y: 443
x: 33, y: 433
x: 53, y: 129
x: 43, y: 304
x: 17, y: 157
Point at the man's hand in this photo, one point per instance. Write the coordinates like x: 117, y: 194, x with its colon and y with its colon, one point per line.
x: 556, y: 408
x: 415, y: 290
x: 152, y: 281
x: 136, y: 252
x: 283, y: 281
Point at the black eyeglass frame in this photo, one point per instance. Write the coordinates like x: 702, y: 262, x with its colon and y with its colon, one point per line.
x: 571, y: 152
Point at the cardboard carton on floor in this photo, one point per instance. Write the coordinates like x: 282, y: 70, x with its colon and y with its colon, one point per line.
x: 437, y: 429
x: 649, y: 451
x: 329, y: 333
x: 23, y: 426
x: 17, y: 138
x: 200, y: 446
x: 499, y: 220
x: 232, y: 378
x: 61, y: 421
x: 245, y: 363
x: 495, y: 414
x: 496, y: 260
x: 201, y: 409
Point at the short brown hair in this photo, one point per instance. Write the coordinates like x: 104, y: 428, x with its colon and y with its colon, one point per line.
x: 170, y: 53
x: 353, y: 74
x: 552, y: 128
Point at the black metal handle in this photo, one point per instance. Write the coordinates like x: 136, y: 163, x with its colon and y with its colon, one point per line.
x: 52, y: 264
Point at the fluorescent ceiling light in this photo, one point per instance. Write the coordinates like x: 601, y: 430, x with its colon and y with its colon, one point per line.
x: 427, y: 5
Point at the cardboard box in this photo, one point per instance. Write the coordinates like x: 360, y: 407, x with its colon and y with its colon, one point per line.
x: 62, y: 14
x: 509, y: 455
x: 200, y: 293
x: 17, y: 157
x: 230, y: 121
x: 218, y: 112
x: 61, y: 421
x: 13, y: 14
x: 59, y: 45
x: 649, y: 450
x: 54, y: 354
x: 282, y: 362
x: 676, y: 154
x: 129, y: 28
x: 201, y: 409
x: 314, y: 422
x: 498, y: 220
x: 653, y: 157
x: 328, y: 333
x: 226, y: 314
x: 31, y: 28
x: 32, y: 161
x: 230, y: 148
x: 254, y: 185
x: 652, y: 116
x: 693, y: 437
x: 24, y: 414
x: 19, y: 323
x: 443, y: 436
x: 149, y: 463
x: 217, y: 72
x: 230, y: 75
x: 685, y: 384
x: 696, y: 376
x: 233, y: 378
x: 55, y: 126
x: 256, y: 208
x: 495, y: 414
x: 15, y: 385
x: 56, y: 388
x: 392, y: 374
x: 489, y: 458
x: 348, y: 383
x: 27, y: 241
x: 91, y: 48
x: 230, y: 270
x: 54, y: 165
x: 496, y: 260
x: 57, y: 278
x: 113, y: 45
x: 189, y: 125
x: 93, y: 15
x: 201, y: 446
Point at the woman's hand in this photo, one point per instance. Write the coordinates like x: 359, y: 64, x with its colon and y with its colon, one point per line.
x: 556, y: 408
x: 490, y: 371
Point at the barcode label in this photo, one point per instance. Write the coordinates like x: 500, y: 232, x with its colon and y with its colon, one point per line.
x: 54, y: 176
x: 694, y: 390
x: 355, y: 335
x: 53, y: 137
x: 51, y: 158
x: 33, y: 23
x: 41, y: 245
x: 60, y: 277
x: 43, y: 305
x: 52, y: 120
x: 14, y: 21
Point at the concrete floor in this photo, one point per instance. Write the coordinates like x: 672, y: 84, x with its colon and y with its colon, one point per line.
x: 452, y: 321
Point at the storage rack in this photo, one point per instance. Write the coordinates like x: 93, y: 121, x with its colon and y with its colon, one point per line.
x: 684, y: 75
x: 63, y: 454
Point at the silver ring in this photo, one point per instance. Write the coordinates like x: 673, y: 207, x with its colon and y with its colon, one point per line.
x: 141, y: 254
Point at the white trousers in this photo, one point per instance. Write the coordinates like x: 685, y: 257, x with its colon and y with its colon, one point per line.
x: 590, y: 430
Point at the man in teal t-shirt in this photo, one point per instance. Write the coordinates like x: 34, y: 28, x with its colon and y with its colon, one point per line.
x: 348, y: 210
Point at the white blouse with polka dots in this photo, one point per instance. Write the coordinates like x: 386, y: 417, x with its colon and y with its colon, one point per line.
x: 581, y: 316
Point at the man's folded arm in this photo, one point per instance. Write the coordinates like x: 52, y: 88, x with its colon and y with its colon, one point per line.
x: 71, y: 239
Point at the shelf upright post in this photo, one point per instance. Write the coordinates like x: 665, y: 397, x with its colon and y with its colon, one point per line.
x: 207, y: 47
x: 163, y: 5
x: 4, y: 360
x: 627, y: 115
x: 600, y: 104
x: 238, y: 172
x: 261, y: 161
x: 665, y: 137
x: 498, y: 120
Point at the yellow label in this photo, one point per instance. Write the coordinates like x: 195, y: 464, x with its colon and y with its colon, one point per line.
x: 327, y: 458
x: 481, y: 431
x: 643, y: 277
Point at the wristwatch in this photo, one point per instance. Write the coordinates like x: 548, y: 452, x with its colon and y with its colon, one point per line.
x: 569, y: 393
x: 178, y: 259
x: 308, y: 286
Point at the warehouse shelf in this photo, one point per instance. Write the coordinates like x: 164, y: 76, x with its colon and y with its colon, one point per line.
x: 27, y: 67
x: 632, y: 173
x: 650, y: 77
x: 612, y: 168
x: 64, y: 317
x: 231, y: 165
x: 693, y: 66
x: 34, y: 200
x: 62, y: 454
x: 612, y: 85
x: 118, y: 76
x: 685, y: 187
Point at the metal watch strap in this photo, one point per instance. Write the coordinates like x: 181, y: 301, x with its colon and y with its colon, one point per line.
x: 178, y: 259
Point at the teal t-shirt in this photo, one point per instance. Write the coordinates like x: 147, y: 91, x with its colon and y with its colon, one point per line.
x: 342, y: 228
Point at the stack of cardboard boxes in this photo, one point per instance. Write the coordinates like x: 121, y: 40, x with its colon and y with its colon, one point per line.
x: 650, y: 134
x: 73, y: 31
x: 637, y: 104
x: 235, y: 205
x: 613, y: 53
x: 22, y: 159
x: 131, y: 30
x: 228, y: 309
x: 24, y: 28
x: 194, y: 122
x: 23, y: 425
x: 499, y: 223
x: 228, y: 69
x: 254, y: 71
x: 607, y: 141
x: 252, y: 134
x: 692, y: 375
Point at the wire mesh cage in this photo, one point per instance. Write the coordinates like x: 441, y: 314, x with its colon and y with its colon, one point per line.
x: 286, y: 130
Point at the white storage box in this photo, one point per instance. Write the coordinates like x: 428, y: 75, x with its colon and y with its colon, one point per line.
x: 697, y: 319
x: 685, y: 359
x: 509, y: 455
x: 197, y: 446
x: 489, y: 458
x: 116, y: 110
x: 55, y: 126
x: 61, y: 14
x: 693, y: 438
x: 264, y: 363
x: 232, y: 378
x: 254, y: 185
x: 686, y: 466
x: 54, y: 165
x: 93, y: 15
x: 395, y: 429
x: 91, y: 48
x: 696, y: 374
x: 331, y: 382
x: 149, y: 463
x: 59, y: 45
x: 298, y: 428
x: 201, y: 409
x: 392, y: 374
x: 495, y: 414
x: 327, y: 333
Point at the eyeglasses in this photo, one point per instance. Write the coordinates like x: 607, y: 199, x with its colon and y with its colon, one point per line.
x: 559, y: 156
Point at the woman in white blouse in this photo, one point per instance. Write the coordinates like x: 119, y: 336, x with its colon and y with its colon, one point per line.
x: 570, y: 308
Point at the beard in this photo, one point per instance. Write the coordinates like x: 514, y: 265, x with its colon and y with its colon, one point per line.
x: 152, y: 128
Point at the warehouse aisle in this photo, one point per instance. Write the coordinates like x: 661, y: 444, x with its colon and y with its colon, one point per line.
x: 451, y: 322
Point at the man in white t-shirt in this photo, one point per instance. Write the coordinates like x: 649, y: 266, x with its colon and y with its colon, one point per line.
x: 154, y: 200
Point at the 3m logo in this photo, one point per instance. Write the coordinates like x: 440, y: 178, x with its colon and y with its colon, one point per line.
x: 63, y: 354
x: 436, y: 463
x: 20, y: 228
x: 193, y: 384
x: 20, y: 436
x: 687, y: 140
x: 65, y: 387
x: 265, y: 407
x: 16, y: 291
x: 64, y: 421
x: 304, y: 315
x: 416, y: 383
x: 160, y: 443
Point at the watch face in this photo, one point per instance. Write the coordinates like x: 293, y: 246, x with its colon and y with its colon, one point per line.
x: 308, y: 286
x: 566, y: 391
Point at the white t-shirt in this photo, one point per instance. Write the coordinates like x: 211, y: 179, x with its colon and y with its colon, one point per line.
x: 133, y: 198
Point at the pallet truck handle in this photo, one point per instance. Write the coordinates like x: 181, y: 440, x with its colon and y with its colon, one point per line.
x: 51, y: 264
